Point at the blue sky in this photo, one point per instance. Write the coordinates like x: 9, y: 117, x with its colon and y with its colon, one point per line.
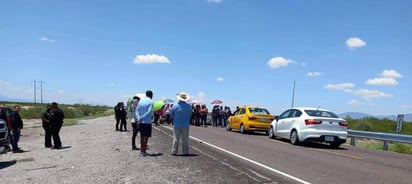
x: 346, y: 55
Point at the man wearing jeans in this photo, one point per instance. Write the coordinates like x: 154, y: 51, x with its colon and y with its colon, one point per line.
x: 17, y: 125
x: 133, y: 121
x: 181, y: 113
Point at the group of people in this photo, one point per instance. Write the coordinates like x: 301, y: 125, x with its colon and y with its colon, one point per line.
x: 14, y: 125
x: 52, y: 121
x: 220, y: 115
x: 120, y: 115
x: 141, y: 110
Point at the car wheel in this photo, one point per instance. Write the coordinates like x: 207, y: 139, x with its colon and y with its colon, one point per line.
x: 335, y: 145
x: 242, y: 129
x: 271, y: 133
x: 228, y: 127
x: 294, y: 139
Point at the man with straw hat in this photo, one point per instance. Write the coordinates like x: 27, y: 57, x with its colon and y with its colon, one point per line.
x: 181, y: 112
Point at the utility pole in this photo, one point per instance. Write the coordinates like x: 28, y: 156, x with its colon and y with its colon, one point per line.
x: 41, y: 91
x: 293, y: 93
x: 34, y: 91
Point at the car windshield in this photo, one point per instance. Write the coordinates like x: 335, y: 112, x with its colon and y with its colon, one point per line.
x: 258, y: 111
x: 320, y: 113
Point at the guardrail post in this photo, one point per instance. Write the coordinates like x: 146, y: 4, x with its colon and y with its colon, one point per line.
x: 352, y: 141
x: 385, y: 145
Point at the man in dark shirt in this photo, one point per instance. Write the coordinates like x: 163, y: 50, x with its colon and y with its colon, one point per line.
x: 17, y: 125
x: 45, y: 117
x: 117, y: 114
x: 56, y: 122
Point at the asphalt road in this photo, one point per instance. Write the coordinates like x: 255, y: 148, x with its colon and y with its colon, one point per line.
x: 95, y: 153
x: 312, y: 163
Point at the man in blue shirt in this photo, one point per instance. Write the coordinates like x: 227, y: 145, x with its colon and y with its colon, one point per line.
x: 181, y: 113
x: 143, y: 117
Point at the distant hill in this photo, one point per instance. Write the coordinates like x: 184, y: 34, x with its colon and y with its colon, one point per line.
x: 7, y: 99
x: 360, y: 115
x: 355, y: 115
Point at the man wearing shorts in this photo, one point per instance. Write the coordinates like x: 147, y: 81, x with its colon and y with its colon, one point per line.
x: 144, y: 114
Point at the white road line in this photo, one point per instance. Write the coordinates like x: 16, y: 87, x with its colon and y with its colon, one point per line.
x: 249, y: 160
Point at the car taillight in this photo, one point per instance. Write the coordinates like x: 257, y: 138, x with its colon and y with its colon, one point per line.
x: 343, y: 123
x: 312, y: 122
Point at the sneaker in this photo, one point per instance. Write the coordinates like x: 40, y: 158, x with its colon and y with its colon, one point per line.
x: 143, y: 154
x: 135, y: 148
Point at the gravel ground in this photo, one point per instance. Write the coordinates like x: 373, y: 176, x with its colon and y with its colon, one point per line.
x: 95, y: 153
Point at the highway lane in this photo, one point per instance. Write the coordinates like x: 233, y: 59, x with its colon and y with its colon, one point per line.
x: 314, y: 163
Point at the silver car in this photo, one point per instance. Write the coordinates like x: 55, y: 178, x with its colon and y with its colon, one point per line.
x: 4, y: 138
x: 306, y: 124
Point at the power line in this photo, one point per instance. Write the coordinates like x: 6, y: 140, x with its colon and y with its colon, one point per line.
x: 35, y: 90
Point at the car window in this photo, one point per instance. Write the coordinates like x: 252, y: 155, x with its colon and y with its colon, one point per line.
x: 320, y: 113
x: 285, y: 114
x: 242, y: 111
x: 236, y: 112
x: 258, y: 111
x: 295, y: 113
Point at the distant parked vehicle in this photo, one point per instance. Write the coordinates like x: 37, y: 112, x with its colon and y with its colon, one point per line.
x: 250, y: 118
x: 5, y: 126
x: 4, y: 138
x: 306, y: 124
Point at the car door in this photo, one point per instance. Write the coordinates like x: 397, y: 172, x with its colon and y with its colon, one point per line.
x: 294, y: 121
x: 238, y: 119
x: 232, y: 118
x: 282, y: 124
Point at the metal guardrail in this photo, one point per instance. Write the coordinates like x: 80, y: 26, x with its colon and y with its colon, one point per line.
x: 385, y: 137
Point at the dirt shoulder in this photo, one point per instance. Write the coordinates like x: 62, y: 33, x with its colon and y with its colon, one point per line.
x: 95, y: 153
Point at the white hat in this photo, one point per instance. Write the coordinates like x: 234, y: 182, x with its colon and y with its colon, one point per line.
x: 183, y: 96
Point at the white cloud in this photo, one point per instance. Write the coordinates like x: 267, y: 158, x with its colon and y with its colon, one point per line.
x: 200, y: 98
x: 214, y: 1
x: 277, y: 62
x: 354, y: 103
x: 150, y: 58
x: 383, y: 81
x: 313, y: 74
x: 4, y: 84
x: 354, y: 42
x: 390, y: 74
x: 45, y: 39
x: 367, y: 94
x: 111, y: 84
x: 11, y: 91
x: 405, y: 106
x: 387, y: 78
x: 60, y: 91
x: 304, y: 64
x: 341, y: 86
x: 220, y: 79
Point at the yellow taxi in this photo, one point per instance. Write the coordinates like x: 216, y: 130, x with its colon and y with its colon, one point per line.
x: 249, y: 119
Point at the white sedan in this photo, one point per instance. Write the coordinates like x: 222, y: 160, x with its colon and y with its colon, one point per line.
x: 305, y: 124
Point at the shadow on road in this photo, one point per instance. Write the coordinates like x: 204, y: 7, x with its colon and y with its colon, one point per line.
x: 7, y: 164
x: 154, y: 154
x: 186, y: 155
x: 318, y: 145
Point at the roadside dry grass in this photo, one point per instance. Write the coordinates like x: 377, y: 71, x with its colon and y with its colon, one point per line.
x: 378, y: 145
